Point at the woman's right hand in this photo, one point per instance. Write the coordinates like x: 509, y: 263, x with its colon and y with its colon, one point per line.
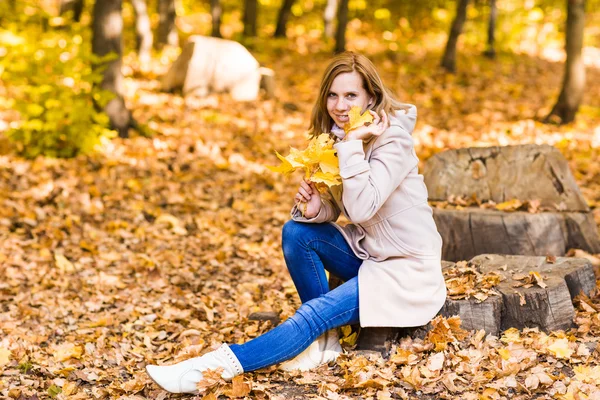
x: 308, y: 199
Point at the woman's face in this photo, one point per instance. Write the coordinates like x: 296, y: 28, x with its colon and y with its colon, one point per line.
x: 346, y: 92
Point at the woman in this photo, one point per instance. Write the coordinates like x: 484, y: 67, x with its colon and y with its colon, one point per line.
x: 389, y: 256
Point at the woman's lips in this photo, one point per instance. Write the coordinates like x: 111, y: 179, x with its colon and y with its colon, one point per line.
x: 342, y: 117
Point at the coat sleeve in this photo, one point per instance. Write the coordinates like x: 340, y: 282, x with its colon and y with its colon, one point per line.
x: 329, y: 211
x: 367, y: 184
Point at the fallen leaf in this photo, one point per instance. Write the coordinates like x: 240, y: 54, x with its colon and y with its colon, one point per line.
x: 210, y: 396
x: 504, y: 353
x: 587, y: 374
x: 66, y: 351
x: 511, y: 205
x: 63, y: 263
x: 436, y: 362
x: 537, y: 278
x: 4, y: 356
x: 210, y: 379
x: 239, y: 388
x: 532, y: 382
x: 560, y: 348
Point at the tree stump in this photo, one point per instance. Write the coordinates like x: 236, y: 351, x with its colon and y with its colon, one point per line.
x: 472, y: 231
x: 500, y: 174
x: 212, y: 65
x: 548, y: 308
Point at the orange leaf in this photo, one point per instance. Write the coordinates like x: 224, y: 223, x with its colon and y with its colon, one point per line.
x: 239, y: 388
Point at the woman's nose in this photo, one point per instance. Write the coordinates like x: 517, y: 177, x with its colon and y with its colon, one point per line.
x: 341, y: 105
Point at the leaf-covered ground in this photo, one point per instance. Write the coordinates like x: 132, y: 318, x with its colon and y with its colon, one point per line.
x: 157, y: 249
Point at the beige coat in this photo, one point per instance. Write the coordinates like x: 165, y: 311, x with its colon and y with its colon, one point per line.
x: 400, y: 281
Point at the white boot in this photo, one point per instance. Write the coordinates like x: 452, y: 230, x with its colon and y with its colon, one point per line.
x: 326, y: 348
x: 184, y: 376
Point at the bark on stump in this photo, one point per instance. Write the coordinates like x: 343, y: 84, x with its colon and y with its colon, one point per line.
x: 472, y: 231
x: 499, y: 174
x: 548, y: 308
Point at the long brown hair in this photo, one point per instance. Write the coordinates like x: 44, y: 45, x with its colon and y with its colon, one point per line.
x: 320, y: 121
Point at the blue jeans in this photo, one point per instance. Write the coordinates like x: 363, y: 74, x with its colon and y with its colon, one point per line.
x: 309, y: 250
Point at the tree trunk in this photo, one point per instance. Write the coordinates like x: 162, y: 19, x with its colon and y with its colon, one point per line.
x: 107, y: 35
x: 574, y: 79
x: 250, y: 14
x: 329, y: 16
x: 449, y: 59
x: 340, y: 36
x: 143, y: 30
x: 166, y: 33
x: 282, y: 19
x: 490, y: 52
x: 76, y: 6
x: 215, y: 12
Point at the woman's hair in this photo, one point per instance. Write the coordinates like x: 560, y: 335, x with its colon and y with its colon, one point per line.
x: 383, y: 98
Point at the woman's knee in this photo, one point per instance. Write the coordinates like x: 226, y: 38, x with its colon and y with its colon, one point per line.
x: 293, y: 233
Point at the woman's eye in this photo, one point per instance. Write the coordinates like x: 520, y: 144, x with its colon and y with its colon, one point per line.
x: 351, y: 95
x: 331, y: 95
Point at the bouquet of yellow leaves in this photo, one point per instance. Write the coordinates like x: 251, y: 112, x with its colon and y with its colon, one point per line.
x: 319, y: 159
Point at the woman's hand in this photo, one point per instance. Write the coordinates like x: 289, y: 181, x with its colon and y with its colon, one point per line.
x: 308, y: 199
x: 376, y: 128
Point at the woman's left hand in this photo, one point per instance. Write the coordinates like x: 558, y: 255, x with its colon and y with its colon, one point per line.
x: 376, y: 128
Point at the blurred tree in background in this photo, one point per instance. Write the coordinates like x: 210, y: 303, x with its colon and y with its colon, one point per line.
x: 571, y: 93
x: 167, y: 31
x: 107, y: 37
x: 144, y: 37
x: 392, y: 27
x: 73, y: 6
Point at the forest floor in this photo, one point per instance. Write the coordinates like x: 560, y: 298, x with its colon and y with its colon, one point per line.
x: 156, y: 249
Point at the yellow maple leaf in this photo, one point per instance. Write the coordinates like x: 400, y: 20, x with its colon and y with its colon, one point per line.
x: 349, y: 338
x: 4, y: 356
x: 504, y: 353
x: 489, y: 394
x: 511, y: 335
x: 560, y: 348
x: 329, y: 162
x: 316, y: 149
x: 67, y: 350
x: 587, y: 374
x: 285, y: 167
x: 326, y: 178
x: 63, y: 263
x: 357, y: 120
x: 69, y: 388
x: 402, y: 356
x: 511, y: 205
x: 318, y: 160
